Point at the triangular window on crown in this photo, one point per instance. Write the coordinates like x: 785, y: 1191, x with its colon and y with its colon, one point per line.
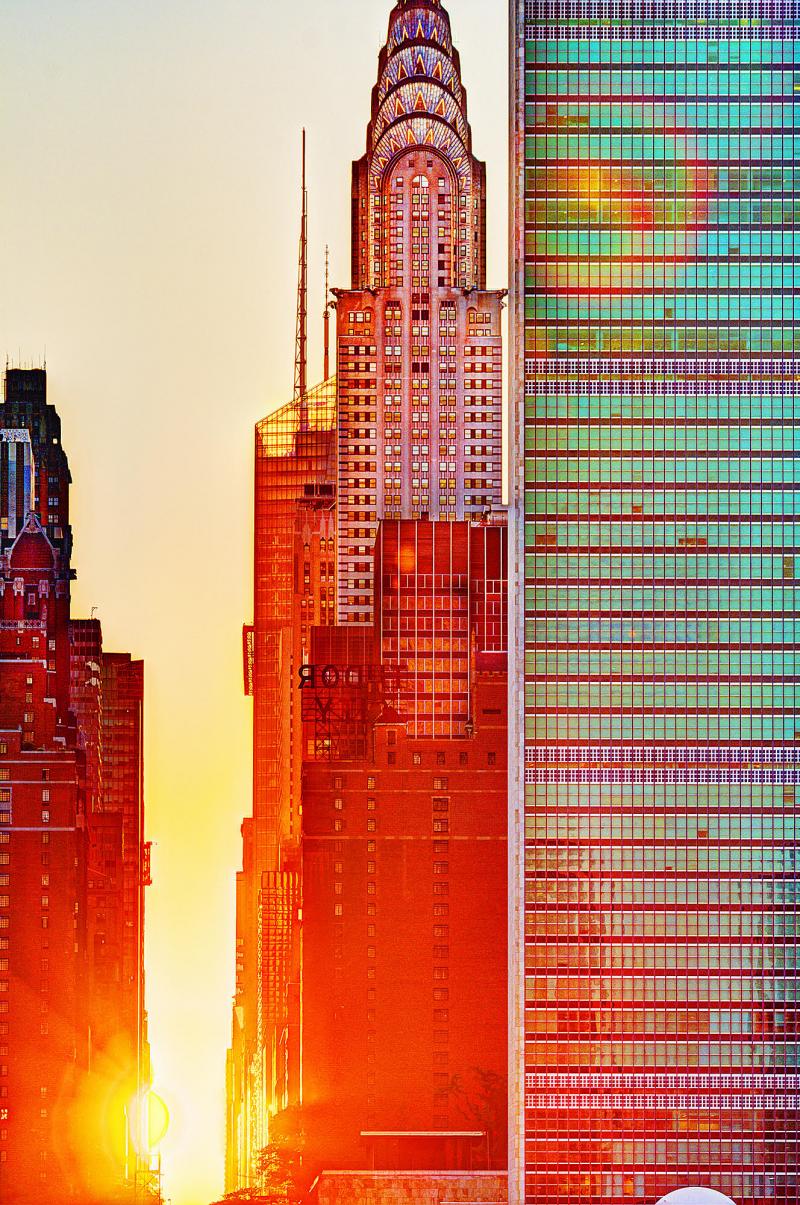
x: 419, y: 103
x: 419, y: 66
x: 420, y: 30
x: 401, y: 72
x: 398, y: 107
x: 437, y: 71
x: 429, y: 137
x: 440, y: 109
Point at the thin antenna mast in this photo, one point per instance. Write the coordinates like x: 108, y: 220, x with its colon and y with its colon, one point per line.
x: 326, y: 318
x: 301, y: 340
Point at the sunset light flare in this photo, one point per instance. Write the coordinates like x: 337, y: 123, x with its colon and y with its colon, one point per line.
x: 400, y: 602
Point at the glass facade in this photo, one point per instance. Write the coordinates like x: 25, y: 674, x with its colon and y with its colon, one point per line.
x: 657, y: 194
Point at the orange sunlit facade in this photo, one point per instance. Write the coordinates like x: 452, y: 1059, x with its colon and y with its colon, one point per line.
x: 404, y: 861
x: 377, y: 664
x: 295, y: 464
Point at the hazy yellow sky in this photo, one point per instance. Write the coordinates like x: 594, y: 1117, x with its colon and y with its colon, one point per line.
x: 148, y: 242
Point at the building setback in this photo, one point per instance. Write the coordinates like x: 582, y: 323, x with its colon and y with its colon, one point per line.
x: 654, y: 761
x: 66, y: 1032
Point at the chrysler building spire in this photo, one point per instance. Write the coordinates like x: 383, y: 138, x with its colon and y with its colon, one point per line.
x: 419, y: 104
x: 418, y: 336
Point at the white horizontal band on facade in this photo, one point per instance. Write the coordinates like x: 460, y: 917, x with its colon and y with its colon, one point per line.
x: 658, y: 1101
x: 789, y: 775
x: 588, y: 366
x: 786, y: 1081
x: 693, y: 754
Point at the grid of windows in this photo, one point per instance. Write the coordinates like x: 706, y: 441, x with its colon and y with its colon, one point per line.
x: 419, y: 225
x: 659, y: 193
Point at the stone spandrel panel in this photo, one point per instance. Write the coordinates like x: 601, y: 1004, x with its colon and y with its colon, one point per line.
x: 409, y: 1188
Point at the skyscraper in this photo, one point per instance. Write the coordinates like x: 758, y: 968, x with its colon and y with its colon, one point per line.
x: 72, y: 1034
x: 419, y: 347
x: 409, y: 432
x: 43, y: 1040
x: 294, y: 585
x: 122, y: 796
x: 404, y: 861
x: 655, y: 326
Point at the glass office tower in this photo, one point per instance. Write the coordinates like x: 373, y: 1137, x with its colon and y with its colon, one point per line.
x: 654, y: 338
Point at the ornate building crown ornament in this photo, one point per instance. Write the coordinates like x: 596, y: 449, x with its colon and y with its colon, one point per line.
x: 419, y: 89
x: 419, y: 103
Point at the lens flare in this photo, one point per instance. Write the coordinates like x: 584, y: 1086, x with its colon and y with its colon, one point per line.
x: 148, y: 1122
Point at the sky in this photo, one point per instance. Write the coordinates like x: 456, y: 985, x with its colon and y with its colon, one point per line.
x: 149, y: 214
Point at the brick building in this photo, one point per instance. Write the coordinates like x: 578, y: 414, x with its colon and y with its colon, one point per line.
x: 404, y: 859
x: 43, y: 1033
x: 65, y: 1016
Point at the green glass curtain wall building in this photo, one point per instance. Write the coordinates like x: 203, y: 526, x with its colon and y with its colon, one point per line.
x: 654, y: 477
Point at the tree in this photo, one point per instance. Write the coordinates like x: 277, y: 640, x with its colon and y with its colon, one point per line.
x: 482, y: 1097
x: 279, y: 1168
